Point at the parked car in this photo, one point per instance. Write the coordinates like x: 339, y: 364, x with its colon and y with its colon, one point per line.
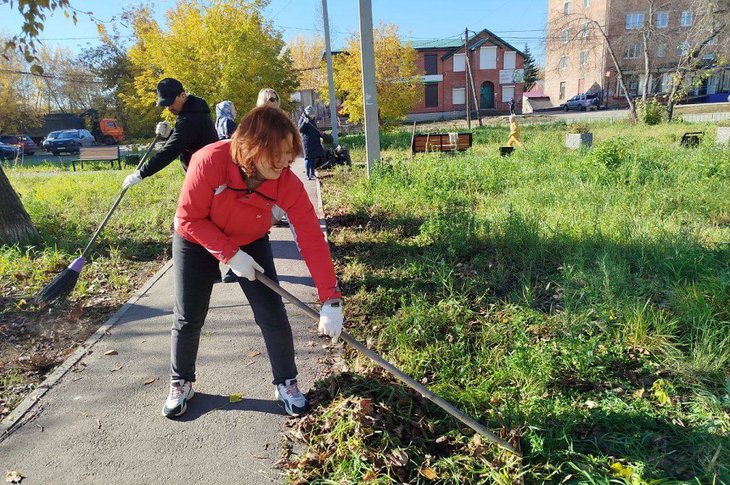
x: 23, y: 141
x: 9, y: 152
x: 582, y: 102
x: 69, y: 141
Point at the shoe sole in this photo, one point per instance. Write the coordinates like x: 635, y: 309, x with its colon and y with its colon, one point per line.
x: 183, y: 407
x: 288, y: 408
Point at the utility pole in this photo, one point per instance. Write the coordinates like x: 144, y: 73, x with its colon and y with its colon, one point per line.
x: 330, y: 81
x: 369, y: 90
x: 466, y: 81
x: 467, y: 66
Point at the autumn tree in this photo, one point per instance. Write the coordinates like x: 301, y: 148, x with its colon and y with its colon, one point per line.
x: 219, y: 50
x: 396, y: 77
x: 306, y: 54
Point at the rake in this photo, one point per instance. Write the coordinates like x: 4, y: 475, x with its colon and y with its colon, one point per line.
x: 64, y: 283
x: 403, y: 377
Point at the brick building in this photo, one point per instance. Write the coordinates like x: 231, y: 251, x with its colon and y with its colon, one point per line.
x: 577, y: 58
x: 496, y: 67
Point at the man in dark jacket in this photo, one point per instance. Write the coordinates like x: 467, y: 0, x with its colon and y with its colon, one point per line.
x: 194, y: 129
x: 313, y: 151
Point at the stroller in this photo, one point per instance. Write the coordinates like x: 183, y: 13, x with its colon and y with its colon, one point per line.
x: 338, y: 155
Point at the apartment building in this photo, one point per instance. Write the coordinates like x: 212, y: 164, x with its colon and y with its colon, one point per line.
x: 578, y: 59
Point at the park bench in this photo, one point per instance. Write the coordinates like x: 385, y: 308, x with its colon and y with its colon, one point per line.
x: 106, y: 153
x: 691, y: 139
x: 440, y: 142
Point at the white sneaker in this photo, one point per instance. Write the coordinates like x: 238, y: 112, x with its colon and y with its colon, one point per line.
x: 294, y: 401
x: 177, y: 401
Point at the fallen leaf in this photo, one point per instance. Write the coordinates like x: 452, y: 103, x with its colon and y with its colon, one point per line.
x: 119, y: 367
x: 13, y: 477
x: 111, y: 352
x: 235, y: 397
x: 150, y: 381
x: 253, y: 353
x: 430, y: 473
x: 398, y: 457
x: 590, y: 404
x: 251, y: 362
x: 622, y: 471
x: 567, y: 477
x: 441, y: 439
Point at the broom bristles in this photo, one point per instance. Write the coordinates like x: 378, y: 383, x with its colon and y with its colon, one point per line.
x: 63, y: 284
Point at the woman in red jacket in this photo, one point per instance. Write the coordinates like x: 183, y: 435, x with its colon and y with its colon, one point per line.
x: 224, y: 214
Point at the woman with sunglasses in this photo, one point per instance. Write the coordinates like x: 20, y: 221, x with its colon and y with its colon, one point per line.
x: 224, y: 214
x: 268, y: 97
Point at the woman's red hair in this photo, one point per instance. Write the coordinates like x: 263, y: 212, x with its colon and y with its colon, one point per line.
x: 259, y: 136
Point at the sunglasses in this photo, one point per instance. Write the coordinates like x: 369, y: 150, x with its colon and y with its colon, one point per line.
x: 273, y: 99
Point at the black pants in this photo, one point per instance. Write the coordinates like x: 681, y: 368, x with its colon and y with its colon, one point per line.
x: 195, y: 271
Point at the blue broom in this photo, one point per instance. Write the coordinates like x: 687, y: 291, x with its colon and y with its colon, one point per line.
x: 64, y: 283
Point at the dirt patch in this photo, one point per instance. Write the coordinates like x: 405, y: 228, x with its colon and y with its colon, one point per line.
x: 34, y: 340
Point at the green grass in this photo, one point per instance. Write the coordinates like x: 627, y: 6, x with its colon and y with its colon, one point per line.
x: 66, y: 208
x: 579, y: 300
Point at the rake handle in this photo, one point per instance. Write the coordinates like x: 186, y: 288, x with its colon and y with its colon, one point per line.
x: 119, y: 198
x: 402, y: 376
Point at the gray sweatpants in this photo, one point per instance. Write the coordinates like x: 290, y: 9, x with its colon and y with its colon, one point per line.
x: 195, y: 271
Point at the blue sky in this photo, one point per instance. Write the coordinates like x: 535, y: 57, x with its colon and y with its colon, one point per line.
x: 517, y: 21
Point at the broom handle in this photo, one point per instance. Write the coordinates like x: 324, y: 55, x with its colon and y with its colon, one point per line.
x: 405, y: 378
x: 119, y: 198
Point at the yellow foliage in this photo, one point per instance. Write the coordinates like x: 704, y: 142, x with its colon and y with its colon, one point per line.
x: 397, y: 82
x: 219, y: 50
x: 306, y: 55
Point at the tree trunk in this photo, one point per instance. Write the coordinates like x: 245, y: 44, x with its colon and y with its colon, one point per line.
x: 677, y: 80
x: 15, y: 224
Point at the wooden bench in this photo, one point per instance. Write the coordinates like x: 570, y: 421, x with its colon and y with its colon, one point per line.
x: 691, y: 139
x: 95, y: 154
x: 440, y: 142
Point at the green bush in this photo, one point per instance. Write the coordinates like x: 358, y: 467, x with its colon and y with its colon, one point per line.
x: 613, y: 152
x: 650, y: 112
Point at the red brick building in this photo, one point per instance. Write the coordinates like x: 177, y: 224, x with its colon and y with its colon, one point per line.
x: 497, y: 69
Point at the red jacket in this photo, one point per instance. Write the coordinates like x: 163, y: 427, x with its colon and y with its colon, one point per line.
x: 211, y: 213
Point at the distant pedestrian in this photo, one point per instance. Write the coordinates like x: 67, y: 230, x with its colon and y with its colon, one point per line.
x: 512, y: 106
x: 223, y: 214
x: 514, y: 132
x: 225, y: 119
x: 313, y: 151
x: 193, y: 130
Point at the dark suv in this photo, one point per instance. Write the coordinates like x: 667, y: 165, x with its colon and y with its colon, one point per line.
x: 23, y: 141
x: 583, y: 102
x: 69, y: 141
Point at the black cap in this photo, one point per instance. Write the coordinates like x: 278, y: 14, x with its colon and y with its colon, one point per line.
x: 167, y: 91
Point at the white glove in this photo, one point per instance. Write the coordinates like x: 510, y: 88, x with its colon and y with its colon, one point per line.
x: 244, y: 266
x: 132, y: 179
x: 330, y: 318
x: 163, y: 130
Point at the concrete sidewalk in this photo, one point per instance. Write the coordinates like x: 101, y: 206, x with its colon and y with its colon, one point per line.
x: 101, y: 422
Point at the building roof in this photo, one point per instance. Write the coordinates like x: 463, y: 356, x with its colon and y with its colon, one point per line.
x: 448, y: 43
x: 477, y: 40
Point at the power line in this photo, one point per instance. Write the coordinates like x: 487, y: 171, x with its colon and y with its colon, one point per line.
x: 51, y: 76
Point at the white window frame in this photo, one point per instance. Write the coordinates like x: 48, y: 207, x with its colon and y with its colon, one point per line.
x: 562, y: 86
x: 712, y: 41
x: 458, y: 95
x: 564, y: 62
x: 566, y: 7
x: 583, y: 57
x: 459, y: 66
x: 664, y: 16
x: 509, y: 60
x: 661, y: 50
x: 686, y: 18
x: 682, y: 48
x: 632, y: 51
x: 586, y: 3
x: 634, y: 20
x: 488, y: 57
x: 508, y: 88
x: 585, y: 29
x: 565, y: 35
